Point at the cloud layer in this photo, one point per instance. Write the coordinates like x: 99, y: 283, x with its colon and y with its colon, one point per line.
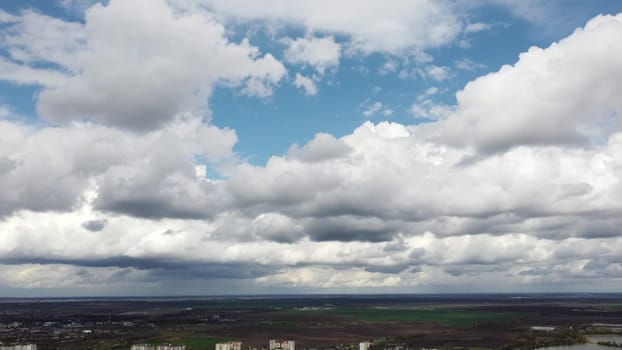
x: 128, y: 185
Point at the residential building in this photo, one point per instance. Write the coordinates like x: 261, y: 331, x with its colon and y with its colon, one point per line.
x: 232, y: 345
x: 278, y: 344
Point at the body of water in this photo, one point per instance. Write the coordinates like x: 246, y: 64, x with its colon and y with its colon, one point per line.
x: 590, y: 345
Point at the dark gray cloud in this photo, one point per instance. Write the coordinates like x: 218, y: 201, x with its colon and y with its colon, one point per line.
x: 119, y: 261
x: 537, y: 271
x: 397, y: 245
x: 350, y: 228
x: 213, y: 271
x: 416, y: 254
x: 160, y: 267
x: 95, y: 225
x: 152, y: 208
x: 6, y: 165
x: 473, y: 269
x: 391, y: 269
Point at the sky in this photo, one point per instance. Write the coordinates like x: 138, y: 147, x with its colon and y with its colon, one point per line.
x: 225, y: 147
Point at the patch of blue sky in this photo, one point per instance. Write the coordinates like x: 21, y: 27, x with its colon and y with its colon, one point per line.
x: 47, y: 7
x: 551, y: 20
x: 269, y: 127
x: 20, y: 99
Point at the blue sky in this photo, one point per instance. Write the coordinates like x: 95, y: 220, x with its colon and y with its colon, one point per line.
x: 309, y: 146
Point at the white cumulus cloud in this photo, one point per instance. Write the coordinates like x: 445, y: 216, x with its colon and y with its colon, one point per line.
x: 305, y: 83
x: 392, y: 26
x: 133, y: 64
x: 567, y: 93
x: 320, y: 53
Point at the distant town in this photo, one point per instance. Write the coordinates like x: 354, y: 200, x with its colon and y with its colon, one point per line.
x: 399, y: 322
x: 274, y: 344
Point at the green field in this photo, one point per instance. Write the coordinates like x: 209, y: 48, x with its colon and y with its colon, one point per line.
x: 613, y: 307
x: 443, y: 316
x: 278, y: 324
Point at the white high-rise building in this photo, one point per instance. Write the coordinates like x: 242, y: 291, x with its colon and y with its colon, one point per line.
x: 232, y: 345
x: 277, y: 344
x: 364, y: 345
x: 143, y: 347
x: 171, y: 347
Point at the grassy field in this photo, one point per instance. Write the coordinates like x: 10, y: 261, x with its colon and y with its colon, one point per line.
x: 278, y: 324
x: 614, y: 307
x: 442, y: 316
